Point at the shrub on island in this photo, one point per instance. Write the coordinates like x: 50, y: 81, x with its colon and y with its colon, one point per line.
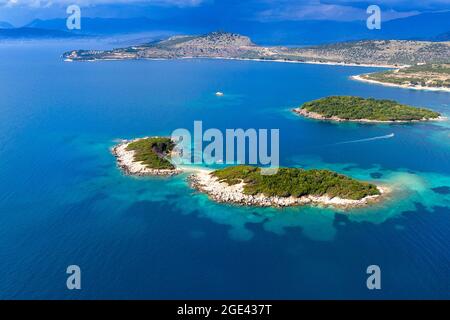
x: 153, y: 152
x: 296, y: 182
x: 357, y: 108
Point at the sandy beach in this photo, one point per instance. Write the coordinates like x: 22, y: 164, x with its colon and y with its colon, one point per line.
x: 329, y: 63
x: 360, y: 78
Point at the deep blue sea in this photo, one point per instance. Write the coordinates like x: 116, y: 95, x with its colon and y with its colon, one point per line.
x: 63, y: 201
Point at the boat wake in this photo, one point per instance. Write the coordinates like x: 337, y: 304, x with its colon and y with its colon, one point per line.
x: 388, y: 136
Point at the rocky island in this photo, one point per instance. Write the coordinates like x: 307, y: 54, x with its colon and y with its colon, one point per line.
x: 357, y: 109
x: 223, y: 45
x: 245, y: 185
x: 434, y: 77
x: 146, y: 157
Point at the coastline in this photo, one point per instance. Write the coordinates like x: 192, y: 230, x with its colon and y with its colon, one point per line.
x: 317, y: 116
x: 344, y: 64
x: 126, y: 162
x: 403, y: 86
x: 221, y: 192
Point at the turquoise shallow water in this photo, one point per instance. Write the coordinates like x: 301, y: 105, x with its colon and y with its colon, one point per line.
x: 63, y: 201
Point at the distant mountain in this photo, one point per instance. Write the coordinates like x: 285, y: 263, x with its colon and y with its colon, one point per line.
x: 302, y: 32
x: 33, y: 33
x: 5, y: 25
x: 424, y: 26
x: 420, y: 27
x: 289, y: 32
x: 99, y: 26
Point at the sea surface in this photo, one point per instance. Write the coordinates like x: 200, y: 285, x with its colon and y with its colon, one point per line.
x: 64, y: 202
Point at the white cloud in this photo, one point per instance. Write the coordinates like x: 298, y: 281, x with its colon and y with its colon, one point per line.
x: 316, y: 10
x: 51, y: 3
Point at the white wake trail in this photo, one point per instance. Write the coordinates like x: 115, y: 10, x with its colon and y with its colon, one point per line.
x: 388, y: 136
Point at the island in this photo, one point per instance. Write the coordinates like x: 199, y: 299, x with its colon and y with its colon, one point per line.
x: 246, y: 185
x: 224, y: 45
x: 357, y: 109
x: 148, y: 156
x: 423, y: 76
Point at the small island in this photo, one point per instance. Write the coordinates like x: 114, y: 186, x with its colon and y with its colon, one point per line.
x: 432, y: 76
x: 245, y: 185
x: 357, y: 109
x: 146, y: 157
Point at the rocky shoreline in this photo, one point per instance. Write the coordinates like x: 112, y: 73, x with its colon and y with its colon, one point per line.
x: 221, y: 192
x: 317, y: 116
x: 318, y: 62
x: 126, y: 162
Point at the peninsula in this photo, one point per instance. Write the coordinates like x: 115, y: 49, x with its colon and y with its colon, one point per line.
x: 245, y: 185
x: 223, y: 45
x: 357, y: 109
x: 435, y: 77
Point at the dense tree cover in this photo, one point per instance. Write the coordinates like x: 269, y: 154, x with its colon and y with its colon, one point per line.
x: 153, y: 152
x: 296, y: 182
x: 356, y: 108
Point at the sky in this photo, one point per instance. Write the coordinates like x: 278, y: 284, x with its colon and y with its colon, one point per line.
x: 20, y: 12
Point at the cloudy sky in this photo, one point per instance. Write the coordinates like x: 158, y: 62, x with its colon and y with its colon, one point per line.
x: 20, y: 12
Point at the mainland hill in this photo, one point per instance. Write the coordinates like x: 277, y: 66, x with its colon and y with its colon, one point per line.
x: 235, y: 46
